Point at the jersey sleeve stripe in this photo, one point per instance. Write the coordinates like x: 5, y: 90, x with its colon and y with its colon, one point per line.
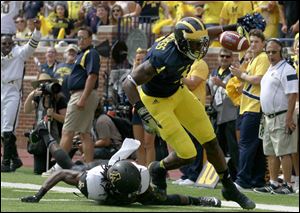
x: 291, y: 77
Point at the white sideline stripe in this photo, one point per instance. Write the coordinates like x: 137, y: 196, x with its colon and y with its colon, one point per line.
x: 37, y: 187
x: 277, y: 208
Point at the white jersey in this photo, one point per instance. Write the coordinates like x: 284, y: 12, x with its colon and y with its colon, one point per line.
x: 12, y: 73
x: 279, y: 81
x: 9, y: 9
x: 12, y: 65
x: 92, y: 185
x: 95, y: 184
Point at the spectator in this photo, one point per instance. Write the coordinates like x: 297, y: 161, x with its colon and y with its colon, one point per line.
x: 289, y: 19
x: 51, y: 63
x: 62, y: 27
x: 102, y: 13
x: 22, y: 31
x: 295, y: 156
x: 279, y: 88
x: 251, y: 170
x: 83, y: 84
x: 13, y: 58
x: 30, y: 27
x: 108, y: 139
x: 116, y: 13
x: 149, y: 11
x: 32, y: 9
x: 269, y: 10
x: 232, y: 10
x: 63, y: 70
x: 226, y: 111
x: 127, y: 6
x: 146, y: 152
x: 46, y: 104
x: 91, y: 19
x: 9, y: 9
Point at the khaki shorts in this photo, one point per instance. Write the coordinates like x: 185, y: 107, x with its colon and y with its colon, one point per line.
x: 276, y: 141
x: 81, y: 120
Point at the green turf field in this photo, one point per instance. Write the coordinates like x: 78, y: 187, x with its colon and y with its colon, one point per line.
x: 55, y: 201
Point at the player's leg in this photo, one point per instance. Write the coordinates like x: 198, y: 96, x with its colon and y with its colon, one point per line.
x: 198, y: 118
x: 173, y: 133
x: 9, y: 115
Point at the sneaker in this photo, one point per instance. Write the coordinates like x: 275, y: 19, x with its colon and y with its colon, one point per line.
x: 16, y: 163
x: 268, y: 188
x: 283, y: 190
x: 233, y: 194
x: 49, y: 172
x: 209, y: 201
x: 186, y: 182
x: 177, y: 181
x: 158, y: 180
x: 296, y: 185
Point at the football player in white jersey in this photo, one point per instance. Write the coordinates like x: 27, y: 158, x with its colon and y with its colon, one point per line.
x: 120, y: 182
x: 9, y: 10
x: 13, y: 58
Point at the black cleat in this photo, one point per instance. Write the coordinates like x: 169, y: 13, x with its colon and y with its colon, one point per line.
x: 236, y: 196
x: 209, y: 201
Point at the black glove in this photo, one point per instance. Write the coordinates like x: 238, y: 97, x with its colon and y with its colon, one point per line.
x: 149, y: 123
x: 253, y: 21
x: 30, y: 199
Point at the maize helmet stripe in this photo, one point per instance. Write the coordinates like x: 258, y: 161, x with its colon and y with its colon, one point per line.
x: 200, y: 23
x: 188, y: 25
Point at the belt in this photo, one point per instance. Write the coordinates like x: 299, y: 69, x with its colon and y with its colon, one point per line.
x: 74, y: 91
x: 275, y: 114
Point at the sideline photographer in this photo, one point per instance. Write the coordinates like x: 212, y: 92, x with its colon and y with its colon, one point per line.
x: 49, y: 105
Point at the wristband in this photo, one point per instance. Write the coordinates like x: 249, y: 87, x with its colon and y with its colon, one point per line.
x: 129, y: 77
x: 138, y: 105
x: 243, y: 76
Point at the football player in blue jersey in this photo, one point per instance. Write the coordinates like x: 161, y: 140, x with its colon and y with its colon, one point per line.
x: 166, y: 105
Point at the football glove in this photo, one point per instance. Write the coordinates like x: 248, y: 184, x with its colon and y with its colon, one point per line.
x: 252, y: 21
x: 30, y: 199
x: 149, y: 123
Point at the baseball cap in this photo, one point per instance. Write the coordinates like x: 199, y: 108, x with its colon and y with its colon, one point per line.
x: 72, y: 47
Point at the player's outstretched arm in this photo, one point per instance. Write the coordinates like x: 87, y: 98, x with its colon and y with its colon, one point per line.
x: 68, y: 176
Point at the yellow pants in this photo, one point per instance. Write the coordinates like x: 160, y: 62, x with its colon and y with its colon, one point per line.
x: 174, y: 112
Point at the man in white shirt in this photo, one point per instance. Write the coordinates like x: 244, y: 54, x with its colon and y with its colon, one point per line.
x: 279, y: 88
x: 13, y: 59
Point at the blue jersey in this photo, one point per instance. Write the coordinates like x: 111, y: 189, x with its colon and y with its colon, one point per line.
x: 171, y: 66
x: 87, y: 62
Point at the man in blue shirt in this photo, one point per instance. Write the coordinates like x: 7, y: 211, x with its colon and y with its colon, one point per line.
x: 82, y: 84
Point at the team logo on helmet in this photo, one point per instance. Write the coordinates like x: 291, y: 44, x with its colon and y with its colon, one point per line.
x: 191, y: 37
x: 114, y: 176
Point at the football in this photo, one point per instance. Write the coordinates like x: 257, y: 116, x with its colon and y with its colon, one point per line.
x: 233, y: 41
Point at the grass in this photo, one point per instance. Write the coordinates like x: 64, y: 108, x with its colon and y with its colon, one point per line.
x: 68, y: 202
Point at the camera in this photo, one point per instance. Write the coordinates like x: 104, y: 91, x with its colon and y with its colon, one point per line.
x: 50, y: 88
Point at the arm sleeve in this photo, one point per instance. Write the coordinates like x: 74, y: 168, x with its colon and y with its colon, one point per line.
x: 28, y: 49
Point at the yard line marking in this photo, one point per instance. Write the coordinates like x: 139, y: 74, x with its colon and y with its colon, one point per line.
x: 37, y: 187
x: 279, y: 208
